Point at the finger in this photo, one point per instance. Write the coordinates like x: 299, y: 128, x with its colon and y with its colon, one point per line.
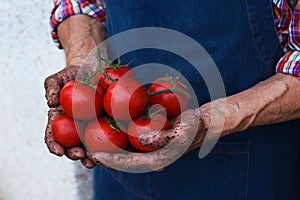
x: 53, y: 146
x: 89, y: 160
x: 182, y: 125
x: 157, y: 139
x: 75, y: 153
x: 55, y: 82
x: 187, y: 133
x: 53, y: 85
x: 137, y: 162
x: 87, y: 163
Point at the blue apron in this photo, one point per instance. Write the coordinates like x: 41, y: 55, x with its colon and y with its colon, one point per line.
x: 261, y: 163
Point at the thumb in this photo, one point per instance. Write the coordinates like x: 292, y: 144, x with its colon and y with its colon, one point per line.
x: 52, y: 86
x: 55, y: 82
x: 157, y: 138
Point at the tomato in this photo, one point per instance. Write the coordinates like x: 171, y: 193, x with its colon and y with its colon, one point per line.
x: 101, y: 137
x: 66, y: 131
x: 81, y: 101
x: 173, y: 101
x: 125, y: 99
x: 115, y: 72
x: 140, y: 125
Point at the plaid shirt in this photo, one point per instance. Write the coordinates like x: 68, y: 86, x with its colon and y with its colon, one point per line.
x: 286, y: 20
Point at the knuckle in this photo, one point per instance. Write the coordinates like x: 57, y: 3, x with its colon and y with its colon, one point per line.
x: 49, y: 80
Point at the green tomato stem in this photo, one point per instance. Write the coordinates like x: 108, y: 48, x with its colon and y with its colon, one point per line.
x: 101, y: 69
x: 174, y: 89
x: 159, y: 92
x: 173, y: 81
x: 112, y: 124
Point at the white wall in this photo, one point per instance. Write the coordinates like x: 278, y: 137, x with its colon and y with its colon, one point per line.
x: 27, y: 56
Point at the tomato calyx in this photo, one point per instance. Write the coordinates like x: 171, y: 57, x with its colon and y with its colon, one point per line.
x: 151, y: 115
x: 103, y: 75
x: 115, y: 66
x: 112, y: 123
x: 100, y: 69
x: 174, y: 88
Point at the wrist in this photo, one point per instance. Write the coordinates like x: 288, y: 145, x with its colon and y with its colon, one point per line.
x: 224, y: 116
x: 79, y: 35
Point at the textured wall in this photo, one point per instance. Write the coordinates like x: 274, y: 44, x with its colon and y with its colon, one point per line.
x: 27, y: 56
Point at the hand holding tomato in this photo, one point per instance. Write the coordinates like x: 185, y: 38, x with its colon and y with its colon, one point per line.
x: 124, y: 99
x: 53, y: 85
x: 140, y: 125
x: 187, y: 133
x: 186, y: 128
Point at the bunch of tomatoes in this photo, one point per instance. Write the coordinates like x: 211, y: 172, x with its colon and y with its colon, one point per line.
x: 109, y: 110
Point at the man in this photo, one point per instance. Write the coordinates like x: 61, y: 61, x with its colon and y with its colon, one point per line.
x: 258, y: 154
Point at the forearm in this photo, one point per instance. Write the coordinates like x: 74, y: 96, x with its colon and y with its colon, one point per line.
x: 274, y: 100
x: 79, y: 34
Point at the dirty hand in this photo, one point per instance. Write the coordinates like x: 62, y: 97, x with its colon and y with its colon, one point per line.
x: 53, y: 85
x: 79, y: 35
x: 186, y: 134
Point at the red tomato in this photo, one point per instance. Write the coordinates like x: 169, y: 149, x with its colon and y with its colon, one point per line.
x: 66, y: 131
x: 173, y: 102
x: 101, y: 137
x: 125, y: 99
x: 80, y: 101
x: 140, y: 125
x: 114, y: 72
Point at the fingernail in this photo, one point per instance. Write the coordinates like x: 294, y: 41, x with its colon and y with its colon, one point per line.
x: 54, y: 150
x: 144, y: 140
x: 89, y: 165
x: 77, y: 154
